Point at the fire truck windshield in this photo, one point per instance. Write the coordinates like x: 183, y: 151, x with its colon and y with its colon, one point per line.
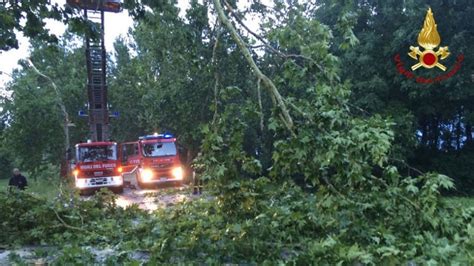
x: 97, y: 153
x: 159, y: 149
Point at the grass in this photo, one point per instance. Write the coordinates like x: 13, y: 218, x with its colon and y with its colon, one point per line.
x: 464, y: 202
x: 47, y: 188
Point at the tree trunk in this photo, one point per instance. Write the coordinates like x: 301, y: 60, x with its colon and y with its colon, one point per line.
x: 468, y: 133
x: 458, y: 131
x: 435, y: 129
x: 424, y: 132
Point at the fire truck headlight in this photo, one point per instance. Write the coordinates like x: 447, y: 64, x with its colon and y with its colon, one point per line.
x: 75, y: 173
x: 120, y: 169
x: 146, y: 175
x: 81, y: 183
x: 178, y: 173
x: 118, y: 179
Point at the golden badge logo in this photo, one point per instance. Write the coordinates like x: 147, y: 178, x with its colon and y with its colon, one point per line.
x: 429, y: 39
x: 430, y: 56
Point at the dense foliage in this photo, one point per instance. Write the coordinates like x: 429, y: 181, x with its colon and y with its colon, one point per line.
x: 299, y: 168
x: 34, y: 136
x: 162, y: 70
x: 29, y: 17
x: 272, y: 223
x: 434, y: 121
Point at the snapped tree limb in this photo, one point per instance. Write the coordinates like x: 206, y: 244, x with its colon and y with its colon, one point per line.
x: 267, y: 82
x: 265, y: 43
x: 216, y: 72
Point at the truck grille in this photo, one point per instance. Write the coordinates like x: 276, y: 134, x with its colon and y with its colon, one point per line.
x: 99, y: 181
x: 162, y: 166
x: 97, y: 173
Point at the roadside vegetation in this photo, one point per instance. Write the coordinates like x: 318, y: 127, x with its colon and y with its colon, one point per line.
x: 308, y: 143
x: 460, y: 202
x: 45, y: 183
x: 47, y: 188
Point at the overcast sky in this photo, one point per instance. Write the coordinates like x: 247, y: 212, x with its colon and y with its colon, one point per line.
x: 116, y: 24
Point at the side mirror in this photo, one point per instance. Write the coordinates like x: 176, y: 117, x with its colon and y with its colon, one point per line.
x: 72, y: 165
x: 68, y: 154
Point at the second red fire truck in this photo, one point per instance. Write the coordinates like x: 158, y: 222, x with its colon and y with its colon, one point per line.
x: 153, y: 159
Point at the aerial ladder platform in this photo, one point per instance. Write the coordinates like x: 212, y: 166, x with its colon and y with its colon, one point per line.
x: 96, y: 60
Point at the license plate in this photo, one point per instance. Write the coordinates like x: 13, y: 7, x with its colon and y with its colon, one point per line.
x: 163, y: 179
x: 98, y: 173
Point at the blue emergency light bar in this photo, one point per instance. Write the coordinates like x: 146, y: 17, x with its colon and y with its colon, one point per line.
x: 157, y: 136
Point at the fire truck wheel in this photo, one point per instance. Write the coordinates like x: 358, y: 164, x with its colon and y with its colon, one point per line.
x: 86, y: 192
x: 139, y: 183
x: 117, y: 190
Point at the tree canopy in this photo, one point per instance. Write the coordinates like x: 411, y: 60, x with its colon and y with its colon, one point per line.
x: 315, y: 149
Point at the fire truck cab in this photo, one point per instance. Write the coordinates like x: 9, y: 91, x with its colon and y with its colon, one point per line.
x: 152, y: 160
x: 97, y: 166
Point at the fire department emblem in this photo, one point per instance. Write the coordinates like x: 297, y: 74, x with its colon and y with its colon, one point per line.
x: 429, y: 39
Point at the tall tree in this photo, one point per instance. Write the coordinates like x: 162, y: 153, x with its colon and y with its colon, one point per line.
x: 433, y: 121
x: 35, y: 134
x: 170, y: 84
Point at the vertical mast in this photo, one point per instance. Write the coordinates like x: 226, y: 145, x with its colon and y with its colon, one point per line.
x: 96, y: 77
x: 96, y: 61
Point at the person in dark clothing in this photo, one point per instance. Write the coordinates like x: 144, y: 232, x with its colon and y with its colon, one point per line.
x: 17, y: 180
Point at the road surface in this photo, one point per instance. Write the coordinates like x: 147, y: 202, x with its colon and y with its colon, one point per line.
x: 152, y: 199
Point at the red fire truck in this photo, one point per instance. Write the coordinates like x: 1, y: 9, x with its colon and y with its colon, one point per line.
x: 97, y: 166
x: 153, y: 159
x: 97, y: 163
